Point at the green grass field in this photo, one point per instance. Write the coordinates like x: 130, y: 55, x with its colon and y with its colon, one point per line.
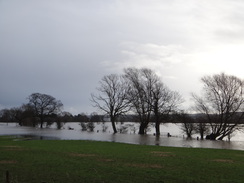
x: 37, y: 161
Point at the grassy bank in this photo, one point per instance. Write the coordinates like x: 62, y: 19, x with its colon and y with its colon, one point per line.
x: 35, y: 161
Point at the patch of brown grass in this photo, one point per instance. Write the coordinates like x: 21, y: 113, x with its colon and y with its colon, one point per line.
x: 240, y: 155
x: 223, y: 160
x: 8, y: 162
x: 81, y: 155
x: 162, y: 154
x: 144, y: 165
x: 12, y: 148
x: 106, y: 160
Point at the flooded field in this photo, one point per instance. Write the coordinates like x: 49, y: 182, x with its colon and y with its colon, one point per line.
x: 128, y: 134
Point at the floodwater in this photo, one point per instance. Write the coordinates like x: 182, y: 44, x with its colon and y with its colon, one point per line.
x: 128, y: 135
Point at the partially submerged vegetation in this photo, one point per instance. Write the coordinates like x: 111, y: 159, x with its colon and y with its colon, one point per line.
x: 217, y: 113
x: 89, y: 161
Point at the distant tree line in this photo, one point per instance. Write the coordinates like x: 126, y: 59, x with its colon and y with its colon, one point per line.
x: 44, y: 108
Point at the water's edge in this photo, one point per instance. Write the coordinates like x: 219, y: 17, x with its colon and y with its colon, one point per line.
x: 75, y: 133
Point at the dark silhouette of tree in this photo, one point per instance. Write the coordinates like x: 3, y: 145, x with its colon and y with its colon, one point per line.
x: 66, y: 117
x: 90, y: 126
x: 95, y: 117
x: 139, y: 95
x: 82, y: 117
x: 188, y: 125
x: 222, y: 104
x: 8, y: 115
x: 1, y: 115
x: 111, y: 98
x: 44, y: 105
x: 201, y: 126
x: 23, y: 114
x: 150, y: 98
x: 165, y: 102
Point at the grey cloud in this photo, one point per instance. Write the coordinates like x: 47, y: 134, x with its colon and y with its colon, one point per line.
x: 63, y: 48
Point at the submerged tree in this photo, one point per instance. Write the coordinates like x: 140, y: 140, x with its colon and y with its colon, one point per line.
x: 149, y: 97
x: 202, y: 126
x: 139, y: 90
x: 8, y: 115
x: 222, y: 104
x: 24, y: 115
x: 44, y: 105
x: 165, y: 102
x: 112, y: 97
x: 187, y: 122
x: 139, y: 95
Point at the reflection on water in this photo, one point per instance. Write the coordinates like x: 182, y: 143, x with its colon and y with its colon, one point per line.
x: 176, y: 140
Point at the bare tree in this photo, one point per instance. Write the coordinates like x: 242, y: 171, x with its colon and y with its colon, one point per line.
x: 202, y: 126
x: 222, y: 103
x: 44, y: 105
x: 188, y: 128
x: 140, y: 95
x: 187, y: 122
x: 149, y: 96
x: 164, y: 103
x: 112, y: 97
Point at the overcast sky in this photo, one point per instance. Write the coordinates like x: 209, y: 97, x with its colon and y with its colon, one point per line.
x: 63, y: 48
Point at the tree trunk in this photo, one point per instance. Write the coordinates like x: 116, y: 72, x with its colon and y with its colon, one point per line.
x: 188, y: 135
x: 114, y: 127
x: 142, y: 129
x: 41, y: 121
x: 215, y: 136
x: 157, y: 127
x: 112, y: 118
x: 41, y: 124
x: 221, y: 137
x: 157, y: 122
x: 201, y: 133
x: 212, y: 136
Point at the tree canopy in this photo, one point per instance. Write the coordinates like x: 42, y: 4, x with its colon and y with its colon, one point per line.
x: 44, y: 105
x: 222, y: 102
x: 112, y: 97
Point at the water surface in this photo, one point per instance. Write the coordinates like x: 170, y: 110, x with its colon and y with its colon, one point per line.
x: 176, y: 140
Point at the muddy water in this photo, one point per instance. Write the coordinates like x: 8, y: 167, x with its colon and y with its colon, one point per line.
x: 128, y: 135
